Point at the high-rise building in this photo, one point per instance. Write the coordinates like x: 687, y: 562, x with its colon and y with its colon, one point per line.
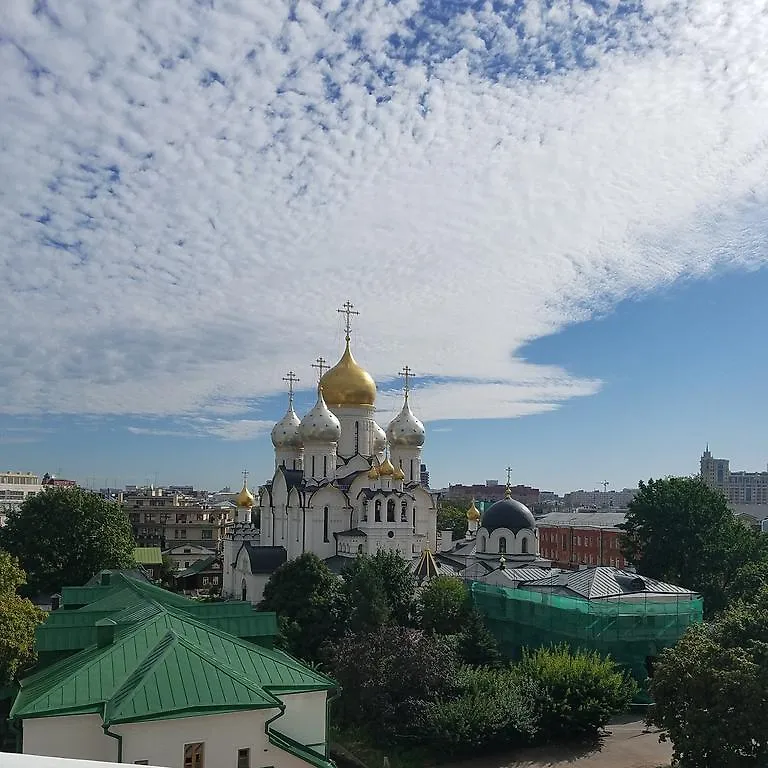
x: 739, y: 487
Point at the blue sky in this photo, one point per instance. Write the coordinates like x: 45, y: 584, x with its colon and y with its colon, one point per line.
x: 553, y: 211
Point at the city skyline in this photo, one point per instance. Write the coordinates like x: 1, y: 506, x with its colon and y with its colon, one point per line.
x: 556, y: 216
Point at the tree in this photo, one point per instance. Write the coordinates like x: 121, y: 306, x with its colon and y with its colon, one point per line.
x: 577, y: 691
x: 63, y: 536
x: 308, y: 601
x: 387, y: 675
x: 709, y: 690
x: 393, y: 573
x: 443, y: 605
x: 367, y: 601
x: 477, y: 647
x: 452, y: 516
x: 681, y: 531
x: 18, y: 619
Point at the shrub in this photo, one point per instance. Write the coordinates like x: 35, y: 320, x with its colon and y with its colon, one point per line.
x: 492, y: 708
x: 576, y: 692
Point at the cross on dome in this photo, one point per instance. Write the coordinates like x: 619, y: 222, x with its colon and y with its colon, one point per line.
x: 322, y: 365
x: 245, y: 477
x: 348, y: 309
x: 407, y: 374
x: 291, y: 378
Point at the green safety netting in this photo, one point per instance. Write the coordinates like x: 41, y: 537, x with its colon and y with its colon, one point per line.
x: 632, y: 632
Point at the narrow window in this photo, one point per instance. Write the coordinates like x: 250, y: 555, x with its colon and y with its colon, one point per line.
x: 193, y: 755
x: 413, y: 474
x: 391, y: 511
x: 404, y: 512
x: 244, y: 758
x: 325, y: 466
x: 357, y: 437
x: 377, y: 508
x: 502, y: 545
x: 313, y: 466
x: 525, y: 547
x: 244, y: 591
x: 325, y: 524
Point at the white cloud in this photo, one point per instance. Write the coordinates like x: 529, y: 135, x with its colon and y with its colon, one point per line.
x: 470, y: 190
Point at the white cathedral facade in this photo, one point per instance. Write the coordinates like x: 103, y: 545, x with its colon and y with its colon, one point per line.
x: 342, y: 485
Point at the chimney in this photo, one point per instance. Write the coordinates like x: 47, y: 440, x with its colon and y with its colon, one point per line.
x: 55, y: 601
x: 446, y: 541
x: 105, y: 632
x: 106, y: 578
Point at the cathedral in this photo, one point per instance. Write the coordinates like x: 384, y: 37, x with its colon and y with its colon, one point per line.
x: 342, y: 485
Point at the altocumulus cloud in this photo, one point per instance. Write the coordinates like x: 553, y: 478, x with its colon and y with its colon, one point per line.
x: 190, y: 189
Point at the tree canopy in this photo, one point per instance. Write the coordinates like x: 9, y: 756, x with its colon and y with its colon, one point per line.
x: 443, y: 605
x: 18, y: 619
x: 63, y: 536
x: 307, y: 598
x: 452, y: 516
x: 681, y: 531
x: 709, y: 690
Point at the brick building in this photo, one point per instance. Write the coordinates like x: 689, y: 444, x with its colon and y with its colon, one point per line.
x: 571, y: 540
x: 491, y: 491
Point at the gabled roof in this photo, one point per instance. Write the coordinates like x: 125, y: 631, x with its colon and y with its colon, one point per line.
x: 607, y: 520
x: 263, y: 559
x: 198, y: 567
x: 168, y: 665
x: 148, y: 555
x: 350, y: 532
x: 602, y: 582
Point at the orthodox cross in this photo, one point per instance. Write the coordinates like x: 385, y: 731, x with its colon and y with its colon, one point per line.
x: 509, y: 476
x: 407, y: 374
x: 291, y: 378
x: 245, y: 478
x: 348, y: 309
x: 321, y: 366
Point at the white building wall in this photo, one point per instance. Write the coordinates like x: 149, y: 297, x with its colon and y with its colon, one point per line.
x: 348, y: 416
x: 79, y: 736
x: 304, y: 718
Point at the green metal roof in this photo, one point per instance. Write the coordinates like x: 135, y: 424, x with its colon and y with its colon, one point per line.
x: 168, y: 665
x: 148, y: 555
x: 196, y: 567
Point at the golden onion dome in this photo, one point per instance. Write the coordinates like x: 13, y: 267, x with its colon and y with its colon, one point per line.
x: 373, y: 473
x: 347, y: 383
x: 473, y: 513
x: 245, y: 498
x: 386, y: 469
x: 398, y: 474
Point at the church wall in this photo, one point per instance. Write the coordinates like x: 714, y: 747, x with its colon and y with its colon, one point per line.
x: 354, y: 440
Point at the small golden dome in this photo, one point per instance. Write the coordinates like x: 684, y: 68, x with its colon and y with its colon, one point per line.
x: 244, y: 499
x: 347, y: 383
x: 386, y: 469
x: 398, y: 474
x: 373, y: 473
x: 473, y: 513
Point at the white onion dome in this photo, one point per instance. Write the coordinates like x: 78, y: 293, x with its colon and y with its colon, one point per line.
x: 379, y: 439
x: 319, y: 425
x: 405, y: 429
x: 285, y: 434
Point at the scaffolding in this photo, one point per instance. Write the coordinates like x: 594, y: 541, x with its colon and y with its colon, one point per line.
x: 632, y: 632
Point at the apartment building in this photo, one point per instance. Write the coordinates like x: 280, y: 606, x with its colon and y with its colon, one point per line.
x: 599, y: 499
x: 572, y: 540
x: 493, y: 490
x: 739, y: 487
x: 169, y: 520
x: 14, y: 488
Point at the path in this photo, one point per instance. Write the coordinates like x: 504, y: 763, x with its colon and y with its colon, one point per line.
x: 627, y: 746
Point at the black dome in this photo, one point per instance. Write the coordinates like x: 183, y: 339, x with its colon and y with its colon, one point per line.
x: 507, y: 513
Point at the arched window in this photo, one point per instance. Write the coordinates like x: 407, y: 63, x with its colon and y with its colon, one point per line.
x: 244, y: 591
x: 413, y: 517
x: 413, y: 474
x: 325, y: 466
x: 357, y: 437
x: 365, y: 511
x: 359, y: 549
x: 391, y: 511
x: 502, y: 545
x: 404, y: 512
x: 325, y: 524
x: 377, y: 511
x: 524, y: 546
x: 482, y: 543
x: 313, y: 466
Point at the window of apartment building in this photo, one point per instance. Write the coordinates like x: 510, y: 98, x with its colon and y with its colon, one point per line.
x: 205, y: 581
x: 193, y: 755
x: 206, y: 533
x: 244, y: 758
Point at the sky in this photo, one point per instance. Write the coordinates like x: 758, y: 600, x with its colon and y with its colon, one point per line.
x: 554, y: 212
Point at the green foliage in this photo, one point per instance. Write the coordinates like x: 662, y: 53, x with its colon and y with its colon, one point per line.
x: 388, y: 675
x: 492, y: 708
x: 709, y: 690
x: 679, y: 530
x: 477, y: 647
x: 392, y: 574
x: 64, y: 536
x: 577, y: 692
x: 452, y: 516
x: 18, y: 619
x: 308, y: 601
x: 367, y: 601
x: 443, y: 605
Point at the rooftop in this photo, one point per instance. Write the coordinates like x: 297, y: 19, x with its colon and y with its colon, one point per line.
x: 583, y: 519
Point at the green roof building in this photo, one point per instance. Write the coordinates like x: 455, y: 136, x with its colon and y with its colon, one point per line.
x: 131, y: 673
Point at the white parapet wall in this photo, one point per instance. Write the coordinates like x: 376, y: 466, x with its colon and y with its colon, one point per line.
x: 10, y: 760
